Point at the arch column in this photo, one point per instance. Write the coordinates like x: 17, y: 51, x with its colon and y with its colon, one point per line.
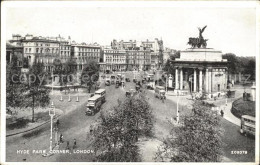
x: 195, y: 80
x: 200, y: 80
x: 207, y: 80
x: 181, y: 79
x: 210, y: 73
x: 176, y: 79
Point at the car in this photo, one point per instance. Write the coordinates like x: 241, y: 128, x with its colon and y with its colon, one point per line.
x: 130, y: 92
x: 139, y: 83
x: 159, y: 92
x: 107, y: 83
x: 117, y: 85
x: 127, y: 93
x: 137, y: 87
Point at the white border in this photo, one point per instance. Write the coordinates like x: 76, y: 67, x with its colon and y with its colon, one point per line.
x: 118, y: 4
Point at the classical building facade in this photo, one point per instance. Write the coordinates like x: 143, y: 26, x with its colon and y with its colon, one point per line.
x: 200, y: 70
x: 47, y: 49
x: 141, y: 54
x: 12, y: 51
x: 139, y: 58
x: 83, y: 53
x: 114, y: 59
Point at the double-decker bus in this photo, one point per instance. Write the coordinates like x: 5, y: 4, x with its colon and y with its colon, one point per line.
x: 247, y: 125
x: 102, y: 94
x: 94, y: 105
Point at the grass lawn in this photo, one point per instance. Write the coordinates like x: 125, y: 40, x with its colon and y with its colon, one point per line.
x: 241, y: 107
x: 235, y: 141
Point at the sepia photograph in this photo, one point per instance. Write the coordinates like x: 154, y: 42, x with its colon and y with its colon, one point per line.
x: 114, y: 81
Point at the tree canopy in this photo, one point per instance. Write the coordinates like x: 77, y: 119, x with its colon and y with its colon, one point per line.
x: 118, y: 131
x: 238, y: 64
x: 90, y: 74
x: 197, y: 139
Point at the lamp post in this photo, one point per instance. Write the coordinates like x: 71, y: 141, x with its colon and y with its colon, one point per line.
x: 51, y: 113
x: 177, y: 114
x: 51, y: 80
x: 69, y: 98
x: 56, y: 135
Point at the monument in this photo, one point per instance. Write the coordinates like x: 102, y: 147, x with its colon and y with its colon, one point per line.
x: 200, y: 69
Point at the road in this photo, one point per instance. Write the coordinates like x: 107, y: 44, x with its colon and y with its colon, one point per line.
x: 75, y: 124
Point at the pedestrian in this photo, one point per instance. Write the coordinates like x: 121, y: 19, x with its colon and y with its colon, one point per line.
x: 68, y: 147
x: 57, y: 123
x: 222, y: 113
x: 74, y: 143
x: 91, y: 130
x: 61, y: 138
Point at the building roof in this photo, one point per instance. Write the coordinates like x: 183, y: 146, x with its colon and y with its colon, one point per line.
x: 89, y: 45
x: 9, y: 46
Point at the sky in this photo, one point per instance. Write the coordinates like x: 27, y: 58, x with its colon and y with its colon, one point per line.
x: 230, y: 30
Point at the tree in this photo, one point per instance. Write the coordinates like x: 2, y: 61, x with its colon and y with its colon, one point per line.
x: 68, y: 68
x: 169, y: 67
x: 58, y: 69
x: 233, y: 63
x: 197, y: 139
x: 37, y: 94
x: 14, y: 87
x: 250, y: 68
x: 90, y: 74
x: 116, y: 135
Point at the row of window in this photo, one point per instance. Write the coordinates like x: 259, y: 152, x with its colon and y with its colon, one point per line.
x: 38, y: 44
x: 65, y: 47
x: 88, y: 54
x: 47, y: 50
x: 220, y: 70
x: 65, y: 52
x: 113, y: 51
x: 88, y: 50
x: 115, y: 60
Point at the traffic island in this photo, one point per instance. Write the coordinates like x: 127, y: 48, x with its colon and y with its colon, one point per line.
x: 242, y: 107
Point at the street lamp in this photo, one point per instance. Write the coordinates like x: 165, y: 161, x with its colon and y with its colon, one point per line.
x: 177, y: 114
x: 51, y: 113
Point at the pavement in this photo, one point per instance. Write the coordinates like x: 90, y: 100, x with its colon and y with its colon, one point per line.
x: 59, y: 112
x: 228, y: 115
x: 30, y: 127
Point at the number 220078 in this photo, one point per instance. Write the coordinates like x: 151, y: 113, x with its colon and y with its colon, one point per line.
x: 239, y: 152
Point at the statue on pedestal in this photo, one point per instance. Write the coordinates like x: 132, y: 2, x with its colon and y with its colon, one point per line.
x: 200, y: 41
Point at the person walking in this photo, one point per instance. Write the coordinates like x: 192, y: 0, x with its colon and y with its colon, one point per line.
x: 74, y: 144
x: 57, y: 123
x: 61, y: 138
x: 222, y: 113
x: 68, y: 147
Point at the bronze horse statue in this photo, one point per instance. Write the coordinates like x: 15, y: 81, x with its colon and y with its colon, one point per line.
x: 200, y: 41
